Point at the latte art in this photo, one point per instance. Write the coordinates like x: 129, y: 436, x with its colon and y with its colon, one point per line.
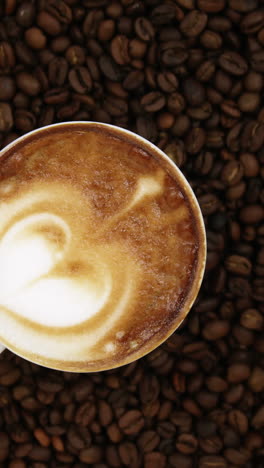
x: 97, y: 249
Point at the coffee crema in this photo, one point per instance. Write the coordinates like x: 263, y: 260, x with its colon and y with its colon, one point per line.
x: 99, y: 247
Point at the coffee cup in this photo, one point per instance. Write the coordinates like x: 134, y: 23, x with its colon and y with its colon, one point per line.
x: 102, y: 246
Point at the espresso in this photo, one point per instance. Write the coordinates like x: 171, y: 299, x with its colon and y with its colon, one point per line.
x: 99, y: 247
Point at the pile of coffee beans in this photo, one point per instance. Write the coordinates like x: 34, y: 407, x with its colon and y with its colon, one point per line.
x: 189, y: 76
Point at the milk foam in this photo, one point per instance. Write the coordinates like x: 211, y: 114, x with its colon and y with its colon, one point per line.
x: 33, y: 246
x: 73, y: 278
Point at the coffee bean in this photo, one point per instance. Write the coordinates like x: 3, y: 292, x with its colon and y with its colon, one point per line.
x: 248, y: 102
x: 75, y: 55
x: 48, y: 23
x: 24, y: 120
x: 211, y: 6
x: 4, y: 446
x: 28, y: 83
x: 91, y: 22
x: 131, y: 422
x: 7, y: 88
x: 153, y: 102
x: 109, y: 68
x: 25, y: 14
x: 253, y: 137
x: 252, y: 22
x: 209, y: 203
x: 59, y: 10
x: 216, y: 384
x: 193, y: 23
x: 186, y: 443
x: 238, y: 372
x: 210, y: 461
x: 106, y: 30
x: 233, y: 63
x: 7, y: 57
x: 238, y: 420
x: 194, y: 92
x: 211, y: 445
x: 80, y: 80
x: 91, y: 455
x: 195, y: 140
x: 238, y: 265
x: 129, y: 454
x: 211, y: 40
x: 238, y: 456
x: 6, y: 117
x: 216, y: 329
x: 243, y: 6
x: 17, y: 463
x: 251, y: 214
x: 144, y: 29
x: 119, y: 49
x: 250, y: 164
x: 35, y: 38
x: 252, y: 319
x: 154, y: 460
x: 256, y: 380
x: 148, y: 441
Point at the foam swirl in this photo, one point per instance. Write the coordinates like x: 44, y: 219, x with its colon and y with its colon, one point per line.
x: 46, y: 279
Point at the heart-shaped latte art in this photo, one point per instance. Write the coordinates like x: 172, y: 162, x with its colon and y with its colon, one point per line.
x: 55, y: 275
x: 29, y: 253
x: 97, y: 246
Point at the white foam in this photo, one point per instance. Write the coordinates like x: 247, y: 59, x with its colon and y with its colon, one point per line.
x: 147, y: 186
x: 26, y: 254
x: 109, y: 347
x: 58, y: 302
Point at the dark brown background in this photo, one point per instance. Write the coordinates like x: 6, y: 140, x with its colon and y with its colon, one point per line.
x: 187, y: 75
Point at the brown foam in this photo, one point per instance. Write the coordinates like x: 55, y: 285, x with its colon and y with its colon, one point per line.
x: 129, y: 217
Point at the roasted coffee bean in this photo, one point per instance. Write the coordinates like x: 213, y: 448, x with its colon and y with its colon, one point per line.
x: 186, y: 443
x: 28, y: 83
x: 257, y: 61
x: 48, y: 23
x: 211, y: 40
x: 75, y: 55
x: 252, y: 22
x: 252, y: 319
x: 238, y: 420
x: 7, y: 57
x: 25, y: 14
x: 211, y: 6
x: 6, y: 117
x: 109, y: 68
x: 212, y: 460
x: 7, y: 88
x: 144, y: 29
x: 131, y: 422
x: 80, y: 80
x: 57, y: 71
x: 35, y: 38
x: 91, y: 455
x: 193, y: 23
x: 153, y: 102
x: 24, y: 120
x: 154, y: 460
x: 251, y: 214
x: 233, y: 63
x: 194, y: 92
